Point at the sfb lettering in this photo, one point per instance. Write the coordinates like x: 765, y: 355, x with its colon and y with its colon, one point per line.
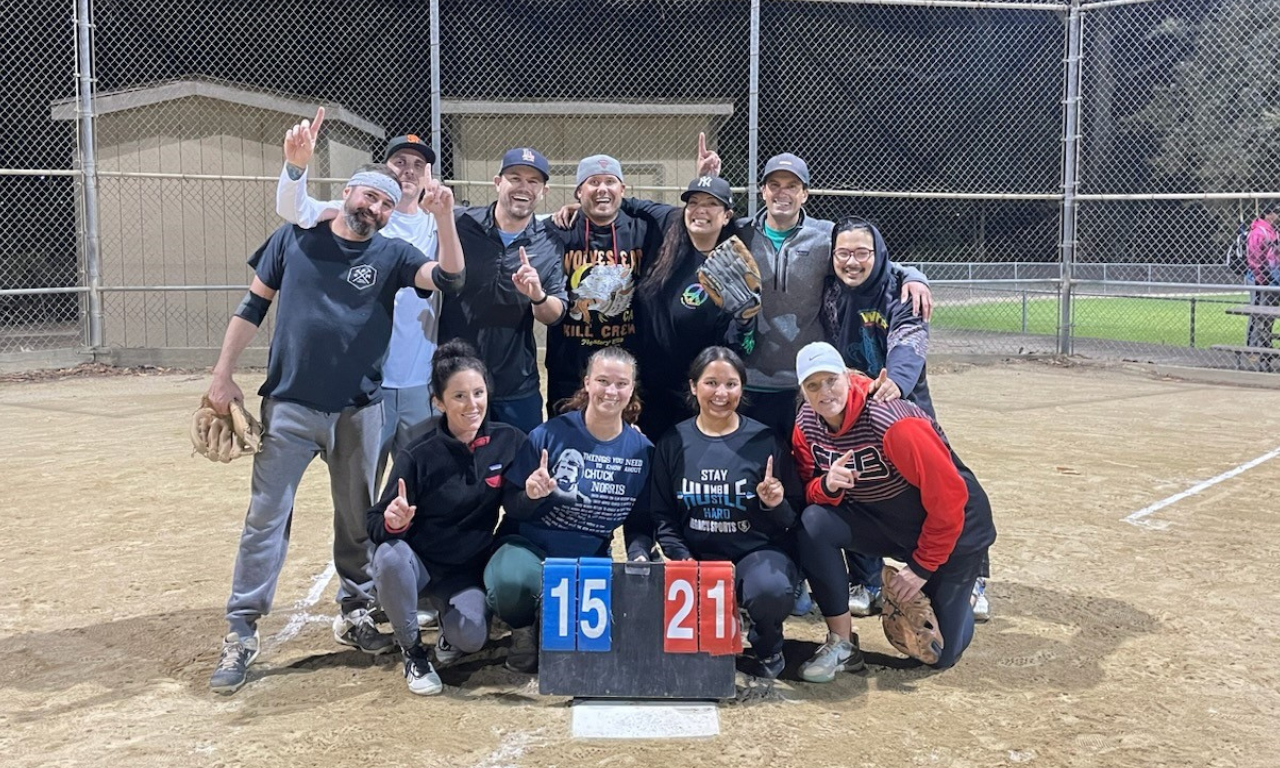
x: 866, y: 461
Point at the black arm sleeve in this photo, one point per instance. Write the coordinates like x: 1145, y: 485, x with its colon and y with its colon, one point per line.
x: 666, y: 516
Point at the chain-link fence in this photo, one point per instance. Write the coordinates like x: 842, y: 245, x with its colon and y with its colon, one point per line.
x: 1069, y: 174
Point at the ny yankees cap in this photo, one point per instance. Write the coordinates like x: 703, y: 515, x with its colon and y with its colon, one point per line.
x: 412, y: 142
x: 526, y: 156
x: 818, y: 357
x: 709, y: 185
x: 598, y: 165
x: 788, y: 162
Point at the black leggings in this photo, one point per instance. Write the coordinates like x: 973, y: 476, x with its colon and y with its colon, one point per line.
x: 766, y: 581
x: 825, y: 531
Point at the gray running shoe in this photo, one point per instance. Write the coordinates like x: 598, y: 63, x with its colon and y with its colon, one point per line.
x: 523, y: 656
x: 419, y: 673
x: 233, y: 665
x: 835, y: 655
x: 357, y: 630
x: 864, y: 600
x: 446, y: 654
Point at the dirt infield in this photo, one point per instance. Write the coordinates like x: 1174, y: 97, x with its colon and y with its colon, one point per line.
x: 1104, y: 649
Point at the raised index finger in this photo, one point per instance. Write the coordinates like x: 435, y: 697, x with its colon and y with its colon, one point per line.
x: 524, y: 259
x: 702, y: 145
x: 403, y: 494
x: 768, y: 469
x: 426, y: 176
x: 315, y: 124
x: 543, y: 465
x: 845, y: 457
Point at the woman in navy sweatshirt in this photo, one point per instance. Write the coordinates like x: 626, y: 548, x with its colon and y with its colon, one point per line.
x: 719, y: 492
x: 913, y: 500
x: 433, y: 526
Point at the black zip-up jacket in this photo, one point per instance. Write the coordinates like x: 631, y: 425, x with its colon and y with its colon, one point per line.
x: 457, y: 489
x: 489, y: 313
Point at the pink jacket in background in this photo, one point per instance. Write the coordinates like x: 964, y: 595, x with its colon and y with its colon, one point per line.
x: 1260, y: 254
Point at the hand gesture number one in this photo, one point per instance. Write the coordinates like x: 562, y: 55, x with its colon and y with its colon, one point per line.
x: 300, y: 140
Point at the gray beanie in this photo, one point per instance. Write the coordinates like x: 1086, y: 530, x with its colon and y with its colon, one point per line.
x: 597, y: 165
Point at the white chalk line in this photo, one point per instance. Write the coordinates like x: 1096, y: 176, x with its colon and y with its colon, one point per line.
x: 300, y: 618
x: 1137, y: 517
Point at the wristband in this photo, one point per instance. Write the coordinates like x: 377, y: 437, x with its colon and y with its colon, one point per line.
x: 542, y: 300
x: 253, y: 308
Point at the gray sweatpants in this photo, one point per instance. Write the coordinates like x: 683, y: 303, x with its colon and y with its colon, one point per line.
x: 348, y: 442
x: 401, y: 576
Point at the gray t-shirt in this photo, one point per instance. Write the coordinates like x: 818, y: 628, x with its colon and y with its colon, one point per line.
x: 333, y: 313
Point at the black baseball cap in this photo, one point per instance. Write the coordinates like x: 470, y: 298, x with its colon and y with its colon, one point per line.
x: 709, y: 185
x: 410, y: 141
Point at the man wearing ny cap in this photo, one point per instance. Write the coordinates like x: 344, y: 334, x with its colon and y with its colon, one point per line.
x: 406, y: 404
x: 606, y: 249
x: 514, y: 276
x: 336, y: 284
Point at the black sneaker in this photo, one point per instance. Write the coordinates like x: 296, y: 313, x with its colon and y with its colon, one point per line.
x: 772, y: 666
x: 419, y: 673
x: 233, y: 665
x: 523, y: 656
x: 357, y: 630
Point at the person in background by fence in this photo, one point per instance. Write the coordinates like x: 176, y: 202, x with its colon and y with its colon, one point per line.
x: 1263, y: 270
x: 336, y: 285
x: 514, y: 277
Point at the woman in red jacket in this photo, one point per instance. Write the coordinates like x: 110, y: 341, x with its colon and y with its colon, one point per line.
x: 880, y: 480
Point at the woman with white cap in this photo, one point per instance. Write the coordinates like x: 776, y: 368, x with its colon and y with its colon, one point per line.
x: 913, y: 500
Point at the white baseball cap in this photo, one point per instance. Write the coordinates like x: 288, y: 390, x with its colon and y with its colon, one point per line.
x: 818, y: 357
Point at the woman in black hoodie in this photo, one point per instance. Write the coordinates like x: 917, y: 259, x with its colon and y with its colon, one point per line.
x: 433, y: 527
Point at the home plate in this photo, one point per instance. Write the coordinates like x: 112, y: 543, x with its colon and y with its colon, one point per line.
x: 615, y: 719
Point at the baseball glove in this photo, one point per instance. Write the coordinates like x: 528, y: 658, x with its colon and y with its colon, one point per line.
x: 223, y: 438
x: 910, y: 626
x: 731, y: 278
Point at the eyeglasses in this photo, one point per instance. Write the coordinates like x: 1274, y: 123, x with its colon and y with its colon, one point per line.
x: 859, y: 255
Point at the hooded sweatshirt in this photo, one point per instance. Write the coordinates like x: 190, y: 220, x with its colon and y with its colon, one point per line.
x: 910, y: 484
x: 875, y: 331
x: 1260, y: 253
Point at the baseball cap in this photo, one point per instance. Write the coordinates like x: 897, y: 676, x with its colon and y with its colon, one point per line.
x: 526, y: 156
x: 410, y: 141
x: 598, y: 165
x: 788, y: 162
x: 818, y: 357
x: 709, y: 185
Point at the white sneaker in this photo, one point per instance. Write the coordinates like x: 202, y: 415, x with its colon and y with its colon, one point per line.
x: 428, y: 618
x: 419, y: 673
x: 446, y: 654
x: 981, y: 606
x: 835, y: 655
x: 864, y: 600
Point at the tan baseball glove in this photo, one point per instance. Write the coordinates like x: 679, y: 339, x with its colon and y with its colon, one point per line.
x: 911, y: 627
x: 223, y: 438
x: 731, y: 278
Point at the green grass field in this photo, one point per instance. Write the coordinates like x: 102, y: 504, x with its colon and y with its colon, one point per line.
x: 1148, y: 320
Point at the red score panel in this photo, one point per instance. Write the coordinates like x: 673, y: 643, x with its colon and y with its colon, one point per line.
x: 718, y: 631
x: 680, y: 607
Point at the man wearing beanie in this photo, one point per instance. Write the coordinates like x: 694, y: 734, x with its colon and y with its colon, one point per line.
x: 605, y: 252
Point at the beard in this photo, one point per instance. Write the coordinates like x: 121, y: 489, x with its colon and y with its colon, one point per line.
x: 359, y: 221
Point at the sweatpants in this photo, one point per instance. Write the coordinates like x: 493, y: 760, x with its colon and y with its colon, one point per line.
x: 406, y: 416
x: 348, y: 442
x: 825, y: 531
x: 513, y: 581
x: 400, y: 576
x: 766, y: 582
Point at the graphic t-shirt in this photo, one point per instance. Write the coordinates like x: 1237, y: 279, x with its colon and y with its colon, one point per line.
x: 333, y: 313
x: 703, y: 492
x: 599, y: 486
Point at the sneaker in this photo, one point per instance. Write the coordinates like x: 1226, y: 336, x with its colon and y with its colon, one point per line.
x: 523, y: 656
x: 804, y: 601
x: 357, y: 630
x: 864, y: 600
x: 233, y: 665
x: 981, y: 606
x: 835, y: 655
x: 772, y: 666
x: 419, y: 673
x: 428, y: 618
x: 446, y: 654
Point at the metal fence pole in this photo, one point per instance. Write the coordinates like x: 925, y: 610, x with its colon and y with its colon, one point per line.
x: 753, y: 110
x: 88, y: 167
x: 435, y: 84
x: 1070, y: 175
